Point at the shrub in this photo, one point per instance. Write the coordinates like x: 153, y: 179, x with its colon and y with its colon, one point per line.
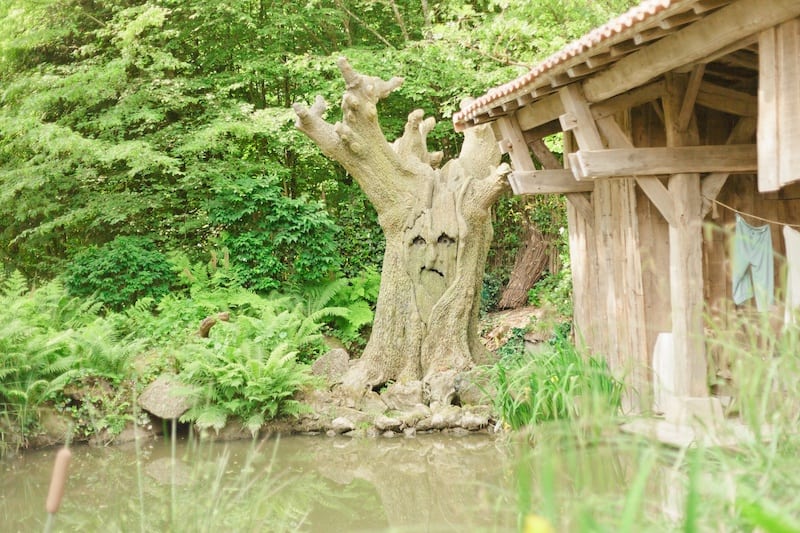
x: 273, y: 239
x: 120, y: 272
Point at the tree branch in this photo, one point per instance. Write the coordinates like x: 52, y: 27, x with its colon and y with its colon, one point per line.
x: 380, y: 37
x: 358, y: 143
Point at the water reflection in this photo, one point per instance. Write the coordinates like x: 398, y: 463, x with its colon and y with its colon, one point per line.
x: 430, y: 483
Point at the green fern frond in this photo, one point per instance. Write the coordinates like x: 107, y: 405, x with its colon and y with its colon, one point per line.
x: 15, y: 285
x: 208, y: 416
x: 317, y: 298
x: 254, y: 423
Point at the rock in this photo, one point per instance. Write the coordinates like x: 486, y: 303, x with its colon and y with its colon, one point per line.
x: 426, y: 424
x: 332, y: 366
x: 309, y: 424
x: 383, y: 422
x: 402, y: 396
x: 474, y: 387
x: 342, y: 425
x: 354, y: 415
x: 134, y: 432
x: 371, y: 403
x: 410, y: 432
x: 165, y: 397
x: 165, y: 470
x: 389, y: 434
x: 417, y: 413
x: 56, y: 426
x: 441, y: 387
x: 473, y: 422
x: 234, y: 430
x: 448, y: 416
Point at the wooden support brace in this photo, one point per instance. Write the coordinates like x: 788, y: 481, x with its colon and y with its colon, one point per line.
x: 651, y: 186
x: 712, y: 184
x: 513, y: 143
x: 690, y: 97
x: 578, y: 118
x: 583, y: 204
x: 548, y: 182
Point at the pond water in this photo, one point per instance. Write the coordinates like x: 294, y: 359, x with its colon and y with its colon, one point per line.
x: 436, y: 482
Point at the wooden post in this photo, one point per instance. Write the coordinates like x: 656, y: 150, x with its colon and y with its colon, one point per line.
x: 686, y: 257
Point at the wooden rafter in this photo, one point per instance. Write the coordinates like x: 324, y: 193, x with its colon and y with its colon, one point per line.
x: 727, y: 100
x: 721, y: 28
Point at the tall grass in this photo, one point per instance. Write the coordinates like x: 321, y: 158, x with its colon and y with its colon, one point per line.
x: 556, y: 383
x: 623, y: 482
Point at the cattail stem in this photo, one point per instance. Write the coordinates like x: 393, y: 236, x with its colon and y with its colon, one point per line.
x: 59, y: 480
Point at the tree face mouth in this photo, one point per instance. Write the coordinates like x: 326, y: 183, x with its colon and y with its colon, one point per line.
x: 431, y: 270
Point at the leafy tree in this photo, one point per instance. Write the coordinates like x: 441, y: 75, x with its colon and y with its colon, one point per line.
x: 130, y: 117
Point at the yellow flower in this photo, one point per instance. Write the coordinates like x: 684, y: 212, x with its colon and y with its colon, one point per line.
x: 537, y: 524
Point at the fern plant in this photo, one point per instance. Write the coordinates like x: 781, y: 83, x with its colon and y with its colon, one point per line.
x: 245, y: 380
x: 50, y: 340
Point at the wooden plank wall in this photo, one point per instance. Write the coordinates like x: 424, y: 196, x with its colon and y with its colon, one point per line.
x: 739, y: 192
x: 607, y: 282
x: 647, y: 129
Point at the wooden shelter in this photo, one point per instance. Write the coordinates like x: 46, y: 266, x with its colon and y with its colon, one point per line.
x: 674, y: 114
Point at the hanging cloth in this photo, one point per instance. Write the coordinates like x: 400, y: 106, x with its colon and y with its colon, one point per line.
x: 792, y: 239
x: 753, y: 268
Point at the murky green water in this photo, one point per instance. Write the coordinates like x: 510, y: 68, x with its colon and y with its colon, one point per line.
x: 428, y: 483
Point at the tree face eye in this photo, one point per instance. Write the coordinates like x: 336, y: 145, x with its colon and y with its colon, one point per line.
x: 418, y: 241
x: 445, y: 239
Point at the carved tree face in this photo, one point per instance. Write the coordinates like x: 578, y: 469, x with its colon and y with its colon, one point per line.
x: 431, y: 265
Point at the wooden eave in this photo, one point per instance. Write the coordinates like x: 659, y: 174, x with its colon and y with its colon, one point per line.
x: 622, y: 65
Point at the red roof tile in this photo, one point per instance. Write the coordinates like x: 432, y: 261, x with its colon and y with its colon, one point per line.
x: 626, y: 21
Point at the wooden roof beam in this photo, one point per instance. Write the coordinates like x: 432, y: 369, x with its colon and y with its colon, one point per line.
x: 547, y: 182
x: 610, y: 163
x: 551, y: 107
x: 694, y: 42
x: 727, y: 100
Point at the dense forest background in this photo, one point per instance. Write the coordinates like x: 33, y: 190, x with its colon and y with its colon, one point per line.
x: 129, y: 128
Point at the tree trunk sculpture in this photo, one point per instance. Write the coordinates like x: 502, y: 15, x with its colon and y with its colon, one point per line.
x: 437, y: 225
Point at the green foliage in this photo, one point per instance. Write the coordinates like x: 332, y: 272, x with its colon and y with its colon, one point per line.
x: 554, y: 290
x: 273, y: 239
x: 120, y: 272
x: 235, y: 375
x: 51, y: 343
x: 357, y: 296
x: 556, y: 384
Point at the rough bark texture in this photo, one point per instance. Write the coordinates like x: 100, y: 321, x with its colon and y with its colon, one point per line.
x: 437, y: 226
x: 528, y: 267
